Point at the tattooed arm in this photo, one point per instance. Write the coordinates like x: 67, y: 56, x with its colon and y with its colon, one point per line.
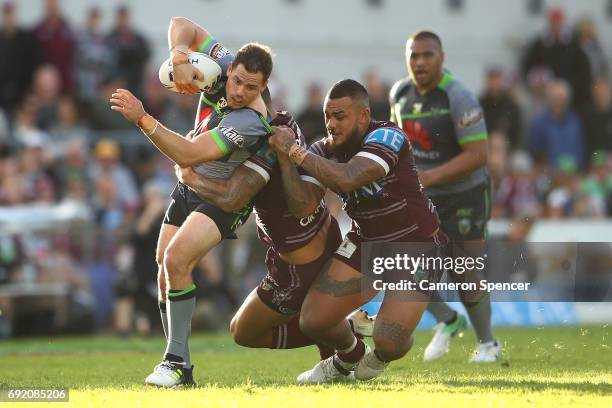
x: 301, y: 196
x: 340, y: 177
x: 343, y: 177
x: 229, y: 195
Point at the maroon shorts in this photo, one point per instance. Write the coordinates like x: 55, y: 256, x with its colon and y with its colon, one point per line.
x: 285, y: 286
x: 358, y: 254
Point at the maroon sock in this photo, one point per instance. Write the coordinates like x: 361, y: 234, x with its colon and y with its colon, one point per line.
x: 289, y: 335
x: 355, y: 355
x: 325, y: 352
x: 359, y: 336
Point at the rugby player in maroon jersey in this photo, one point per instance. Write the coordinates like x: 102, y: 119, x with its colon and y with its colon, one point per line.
x: 298, y: 249
x: 370, y: 165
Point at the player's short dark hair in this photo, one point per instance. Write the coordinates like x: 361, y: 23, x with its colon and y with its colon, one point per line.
x: 255, y: 58
x: 426, y: 35
x: 350, y: 88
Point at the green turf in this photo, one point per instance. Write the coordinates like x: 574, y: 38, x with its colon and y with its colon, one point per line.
x: 548, y: 367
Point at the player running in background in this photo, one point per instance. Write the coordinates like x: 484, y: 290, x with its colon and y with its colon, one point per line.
x: 370, y: 165
x: 298, y: 249
x: 445, y: 125
x: 231, y: 125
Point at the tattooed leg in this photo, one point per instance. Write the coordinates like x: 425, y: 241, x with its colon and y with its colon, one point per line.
x: 394, y: 326
x: 336, y: 293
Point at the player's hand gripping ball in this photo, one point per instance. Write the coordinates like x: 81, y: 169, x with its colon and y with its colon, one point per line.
x: 199, y: 70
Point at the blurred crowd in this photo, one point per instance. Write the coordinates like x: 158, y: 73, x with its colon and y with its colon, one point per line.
x: 550, y: 132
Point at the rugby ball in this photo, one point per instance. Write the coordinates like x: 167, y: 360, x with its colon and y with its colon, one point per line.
x: 205, y: 64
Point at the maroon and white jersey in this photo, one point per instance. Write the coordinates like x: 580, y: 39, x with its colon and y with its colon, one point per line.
x: 276, y: 226
x: 393, y: 208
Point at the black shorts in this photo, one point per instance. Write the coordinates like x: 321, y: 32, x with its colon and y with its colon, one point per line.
x: 285, y: 286
x: 464, y: 216
x: 185, y: 201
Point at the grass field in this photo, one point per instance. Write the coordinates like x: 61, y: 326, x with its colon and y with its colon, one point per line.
x: 544, y: 367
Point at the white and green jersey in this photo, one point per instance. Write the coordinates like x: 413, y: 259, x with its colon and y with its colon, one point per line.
x: 238, y: 133
x: 437, y: 124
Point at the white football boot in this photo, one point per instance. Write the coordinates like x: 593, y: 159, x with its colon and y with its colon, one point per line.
x: 369, y: 366
x: 168, y: 374
x: 329, y: 370
x: 362, y: 322
x: 487, y: 352
x: 440, y: 343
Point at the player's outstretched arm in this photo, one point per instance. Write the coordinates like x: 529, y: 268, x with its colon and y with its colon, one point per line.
x: 340, y: 177
x: 230, y: 195
x: 183, y: 152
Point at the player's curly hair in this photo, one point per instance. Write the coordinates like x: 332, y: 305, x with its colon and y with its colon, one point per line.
x: 255, y: 58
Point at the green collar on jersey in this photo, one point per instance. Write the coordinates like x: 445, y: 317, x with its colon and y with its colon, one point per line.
x: 265, y: 122
x: 445, y: 81
x: 211, y: 104
x: 218, y: 111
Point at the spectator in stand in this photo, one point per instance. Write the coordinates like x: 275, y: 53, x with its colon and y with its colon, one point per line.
x: 179, y: 112
x: 501, y: 111
x: 56, y: 40
x: 537, y: 83
x: 37, y: 177
x: 557, y: 132
x: 100, y: 117
x: 46, y: 92
x: 517, y: 193
x: 25, y: 124
x: 73, y: 174
x: 121, y: 187
x: 379, y: 95
x: 11, y: 184
x: 157, y: 98
x: 68, y: 127
x: 586, y: 37
x: 311, y: 119
x: 598, y: 120
x: 557, y: 50
x: 131, y: 52
x: 568, y: 199
x: 94, y: 62
x: 20, y: 57
x: 497, y: 161
x: 597, y: 185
